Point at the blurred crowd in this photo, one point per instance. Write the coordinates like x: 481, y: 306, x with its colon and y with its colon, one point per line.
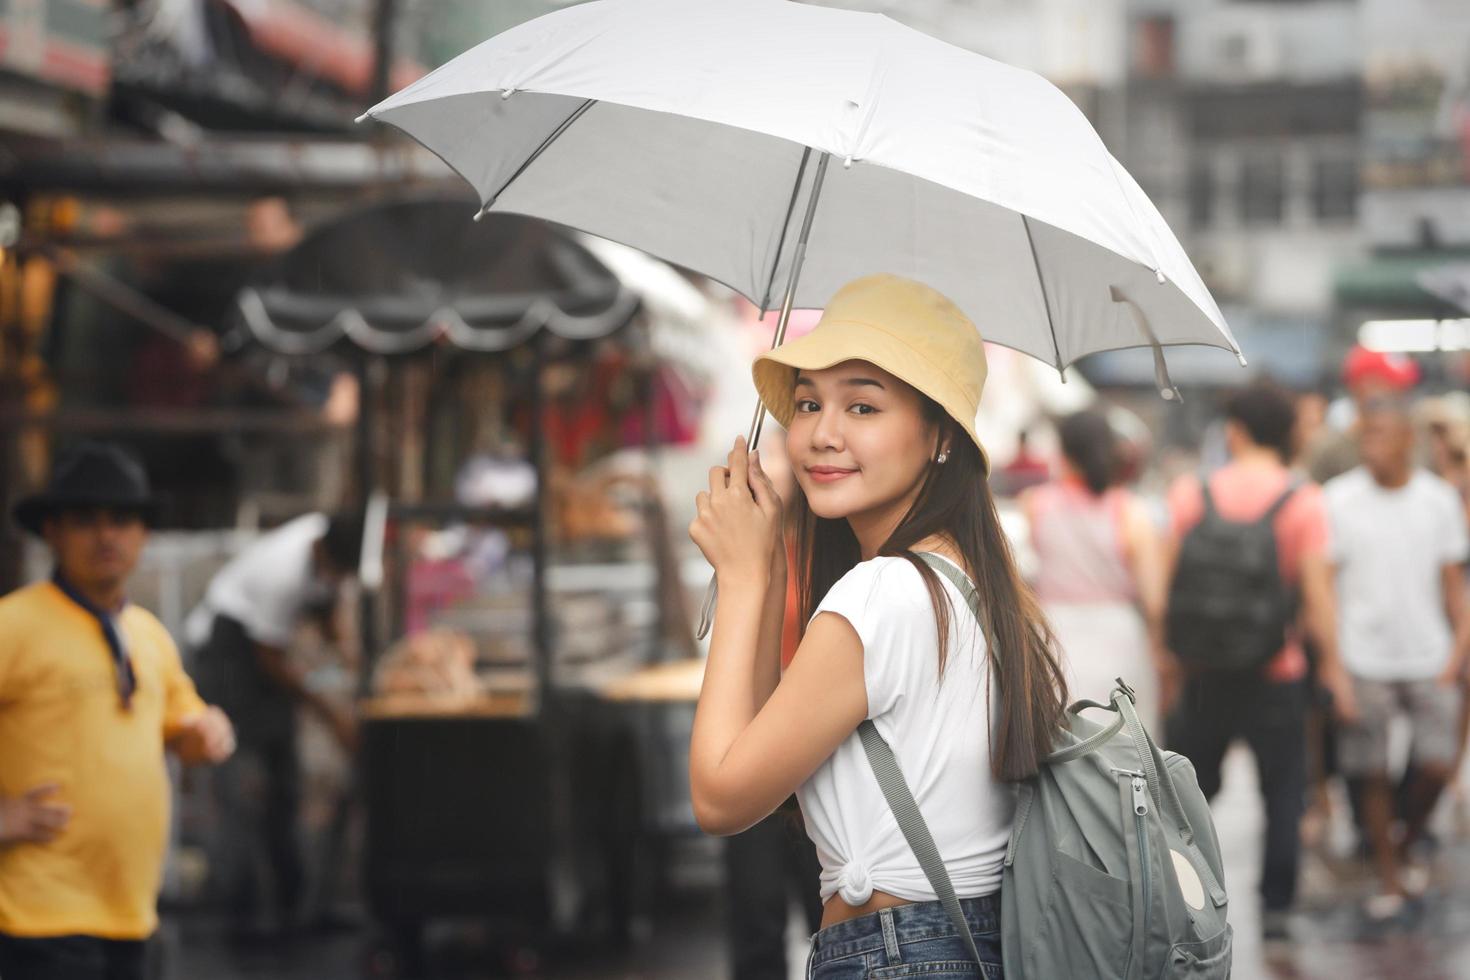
x: 1302, y: 593
x: 1300, y: 590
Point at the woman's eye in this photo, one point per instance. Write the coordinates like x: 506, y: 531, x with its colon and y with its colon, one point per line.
x: 864, y: 409
x: 806, y: 405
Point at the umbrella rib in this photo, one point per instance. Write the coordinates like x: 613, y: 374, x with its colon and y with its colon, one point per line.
x: 806, y: 152
x: 1045, y: 299
x: 551, y: 138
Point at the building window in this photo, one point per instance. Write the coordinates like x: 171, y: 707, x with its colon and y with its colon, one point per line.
x: 1335, y: 189
x: 1201, y: 192
x: 1262, y: 189
x: 1153, y: 52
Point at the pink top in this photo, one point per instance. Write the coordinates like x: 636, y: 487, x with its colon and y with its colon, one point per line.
x: 1243, y: 493
x: 1079, y: 541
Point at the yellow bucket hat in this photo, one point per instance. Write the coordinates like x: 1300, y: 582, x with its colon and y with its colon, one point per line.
x: 913, y: 332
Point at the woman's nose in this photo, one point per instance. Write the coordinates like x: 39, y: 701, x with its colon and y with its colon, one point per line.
x: 827, y: 433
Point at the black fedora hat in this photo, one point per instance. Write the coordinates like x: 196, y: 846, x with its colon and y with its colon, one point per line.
x: 89, y: 474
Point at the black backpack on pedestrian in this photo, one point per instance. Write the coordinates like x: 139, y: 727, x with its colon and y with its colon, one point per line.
x: 1228, y: 606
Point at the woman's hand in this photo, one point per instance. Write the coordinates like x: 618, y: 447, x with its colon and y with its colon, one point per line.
x: 738, y: 527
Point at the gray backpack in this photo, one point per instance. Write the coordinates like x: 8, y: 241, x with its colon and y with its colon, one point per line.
x: 1113, y: 869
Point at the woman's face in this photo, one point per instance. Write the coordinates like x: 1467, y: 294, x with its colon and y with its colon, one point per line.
x: 858, y: 444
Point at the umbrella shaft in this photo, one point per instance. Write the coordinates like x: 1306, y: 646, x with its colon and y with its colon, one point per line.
x: 798, y: 259
x: 711, y: 592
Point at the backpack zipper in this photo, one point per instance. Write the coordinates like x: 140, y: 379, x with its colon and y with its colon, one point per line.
x: 1138, y: 782
x: 1140, y: 812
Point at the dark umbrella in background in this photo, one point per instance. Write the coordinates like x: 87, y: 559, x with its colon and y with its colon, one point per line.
x: 396, y: 277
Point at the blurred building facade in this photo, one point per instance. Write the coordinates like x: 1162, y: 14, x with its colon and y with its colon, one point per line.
x: 1310, y: 154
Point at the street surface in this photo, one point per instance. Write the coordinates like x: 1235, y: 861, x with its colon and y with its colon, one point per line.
x: 1331, y: 938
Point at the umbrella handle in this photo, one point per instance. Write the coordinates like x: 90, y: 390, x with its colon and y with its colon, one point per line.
x: 711, y: 591
x: 707, y: 608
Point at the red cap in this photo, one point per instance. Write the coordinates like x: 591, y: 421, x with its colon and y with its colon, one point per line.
x: 1395, y: 370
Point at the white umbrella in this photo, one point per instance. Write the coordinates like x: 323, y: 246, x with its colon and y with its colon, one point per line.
x: 701, y: 131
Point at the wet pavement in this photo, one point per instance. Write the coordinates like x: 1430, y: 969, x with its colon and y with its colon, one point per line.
x: 1331, y: 938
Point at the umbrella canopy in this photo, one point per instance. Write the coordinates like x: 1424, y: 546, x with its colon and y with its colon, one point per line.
x: 684, y: 128
x: 397, y: 276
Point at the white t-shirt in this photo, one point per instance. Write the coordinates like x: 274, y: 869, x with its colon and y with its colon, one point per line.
x: 267, y: 586
x: 940, y: 733
x: 1390, y: 547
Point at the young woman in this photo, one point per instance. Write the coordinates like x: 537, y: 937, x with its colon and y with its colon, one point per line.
x: 1101, y: 577
x: 879, y: 403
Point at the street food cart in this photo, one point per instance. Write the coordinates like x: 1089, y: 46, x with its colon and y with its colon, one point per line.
x: 524, y: 576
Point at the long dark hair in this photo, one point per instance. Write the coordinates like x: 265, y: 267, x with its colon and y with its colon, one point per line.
x: 1090, y: 445
x: 955, y: 501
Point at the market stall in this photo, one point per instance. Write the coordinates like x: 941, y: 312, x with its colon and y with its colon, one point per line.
x: 518, y: 570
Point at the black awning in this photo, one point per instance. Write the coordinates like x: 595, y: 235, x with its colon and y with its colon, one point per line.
x: 397, y: 277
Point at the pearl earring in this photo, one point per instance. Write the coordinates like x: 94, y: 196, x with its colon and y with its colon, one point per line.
x: 942, y: 457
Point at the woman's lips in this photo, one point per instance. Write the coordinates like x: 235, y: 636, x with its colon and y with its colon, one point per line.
x: 828, y: 474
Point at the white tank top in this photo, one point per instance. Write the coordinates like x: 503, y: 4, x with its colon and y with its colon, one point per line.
x: 940, y: 732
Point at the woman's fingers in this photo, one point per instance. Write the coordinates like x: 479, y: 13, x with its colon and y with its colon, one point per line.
x: 765, y: 497
x: 759, y: 471
x: 701, y: 501
x: 739, y: 464
x: 719, y: 479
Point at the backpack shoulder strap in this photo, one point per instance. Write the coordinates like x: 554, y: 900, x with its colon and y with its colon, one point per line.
x: 956, y: 578
x: 911, y: 823
x: 1207, y: 499
x: 1281, y: 501
x: 901, y: 799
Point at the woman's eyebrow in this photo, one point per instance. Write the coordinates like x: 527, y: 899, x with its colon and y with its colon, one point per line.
x: 851, y: 382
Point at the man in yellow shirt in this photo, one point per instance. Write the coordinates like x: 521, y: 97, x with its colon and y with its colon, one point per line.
x: 91, y: 694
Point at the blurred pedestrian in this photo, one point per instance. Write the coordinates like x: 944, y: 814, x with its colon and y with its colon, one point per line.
x: 879, y: 401
x: 1399, y: 544
x: 1447, y: 426
x: 92, y: 692
x: 1367, y: 375
x: 1026, y: 469
x: 1328, y: 450
x: 1218, y: 572
x: 1100, y: 571
x: 242, y: 632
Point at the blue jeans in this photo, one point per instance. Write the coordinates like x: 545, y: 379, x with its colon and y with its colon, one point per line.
x: 909, y: 941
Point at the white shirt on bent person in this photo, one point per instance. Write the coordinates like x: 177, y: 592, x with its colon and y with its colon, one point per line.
x: 1390, y: 546
x: 940, y: 732
x: 266, y: 587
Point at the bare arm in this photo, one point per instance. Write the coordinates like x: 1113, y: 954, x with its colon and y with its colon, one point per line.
x: 772, y: 620
x: 277, y: 666
x: 1149, y: 558
x: 1319, y: 608
x: 742, y: 764
x: 744, y: 761
x: 1453, y: 581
